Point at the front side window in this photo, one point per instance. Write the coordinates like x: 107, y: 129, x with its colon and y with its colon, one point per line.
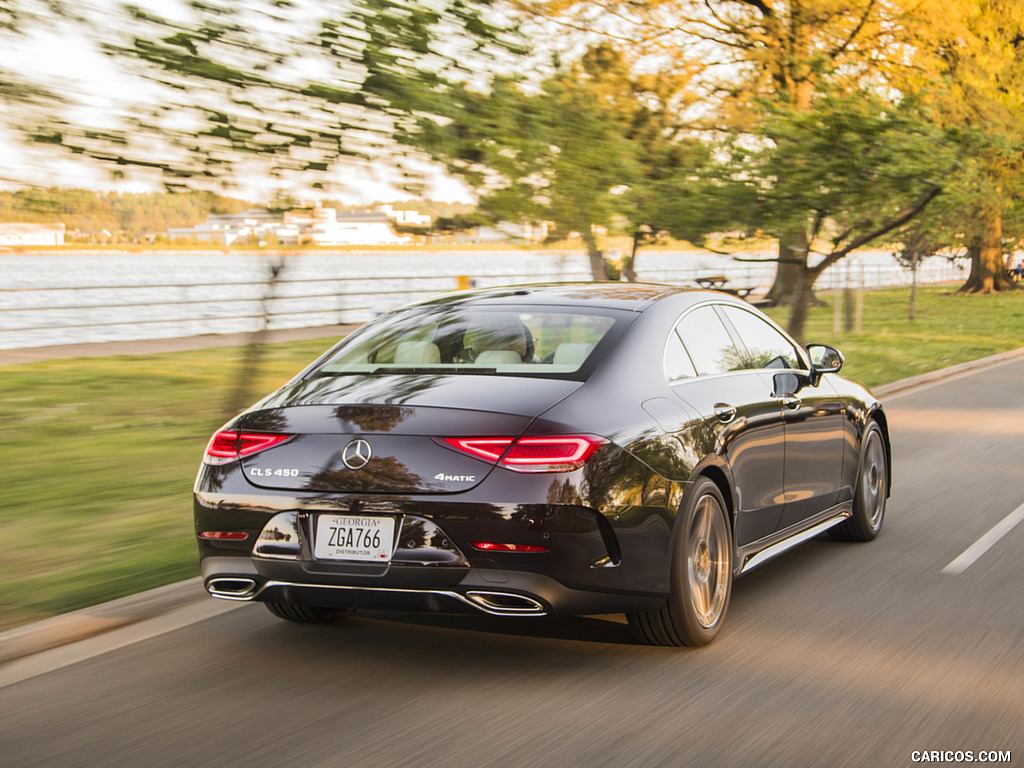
x: 766, y: 347
x: 534, y: 341
x: 710, y: 346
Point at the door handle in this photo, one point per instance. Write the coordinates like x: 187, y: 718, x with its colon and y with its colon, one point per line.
x: 792, y: 402
x: 725, y: 412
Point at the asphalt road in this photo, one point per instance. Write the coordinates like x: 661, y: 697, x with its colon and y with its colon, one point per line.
x: 833, y: 655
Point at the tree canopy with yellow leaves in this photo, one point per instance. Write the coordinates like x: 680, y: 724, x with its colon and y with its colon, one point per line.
x: 959, y: 63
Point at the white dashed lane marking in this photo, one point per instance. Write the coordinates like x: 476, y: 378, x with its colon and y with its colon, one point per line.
x: 986, y: 542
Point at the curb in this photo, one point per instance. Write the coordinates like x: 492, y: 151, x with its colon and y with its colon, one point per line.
x: 892, y: 388
x: 100, y: 619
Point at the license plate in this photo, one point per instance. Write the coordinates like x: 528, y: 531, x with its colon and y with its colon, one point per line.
x: 349, y: 537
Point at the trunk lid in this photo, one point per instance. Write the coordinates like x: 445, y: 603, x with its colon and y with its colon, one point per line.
x: 373, y: 434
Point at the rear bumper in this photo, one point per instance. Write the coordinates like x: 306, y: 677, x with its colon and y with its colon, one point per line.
x: 491, y: 591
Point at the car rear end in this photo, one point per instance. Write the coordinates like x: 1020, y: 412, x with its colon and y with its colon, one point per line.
x: 407, y: 471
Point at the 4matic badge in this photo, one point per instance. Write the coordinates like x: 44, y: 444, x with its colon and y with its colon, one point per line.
x: 454, y: 478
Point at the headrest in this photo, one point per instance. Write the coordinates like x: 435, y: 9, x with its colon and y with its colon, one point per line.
x: 498, y: 356
x: 497, y: 330
x: 417, y: 352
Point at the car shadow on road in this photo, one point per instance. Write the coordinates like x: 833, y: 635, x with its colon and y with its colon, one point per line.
x: 611, y: 629
x: 606, y: 629
x: 776, y: 583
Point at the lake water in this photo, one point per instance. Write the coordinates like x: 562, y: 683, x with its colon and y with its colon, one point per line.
x: 72, y: 297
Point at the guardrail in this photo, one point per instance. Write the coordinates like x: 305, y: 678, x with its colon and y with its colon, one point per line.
x: 68, y: 314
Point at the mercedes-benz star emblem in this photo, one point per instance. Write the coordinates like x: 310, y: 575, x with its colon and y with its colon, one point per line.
x: 357, y: 454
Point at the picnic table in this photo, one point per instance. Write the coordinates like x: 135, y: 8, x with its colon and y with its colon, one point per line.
x: 712, y: 282
x: 718, y: 283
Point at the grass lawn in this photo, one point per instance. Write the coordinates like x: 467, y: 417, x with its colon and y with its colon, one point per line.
x: 948, y: 329
x: 99, y: 454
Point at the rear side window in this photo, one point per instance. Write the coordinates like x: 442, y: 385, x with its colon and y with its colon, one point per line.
x: 766, y: 347
x: 710, y: 346
x: 677, y: 362
x: 531, y: 341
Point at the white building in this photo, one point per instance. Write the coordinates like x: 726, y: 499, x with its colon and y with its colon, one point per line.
x: 356, y: 229
x: 309, y: 224
x: 225, y: 228
x: 407, y: 218
x: 17, y: 233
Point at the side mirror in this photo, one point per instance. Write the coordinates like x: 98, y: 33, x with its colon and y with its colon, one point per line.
x: 824, y: 359
x: 787, y: 383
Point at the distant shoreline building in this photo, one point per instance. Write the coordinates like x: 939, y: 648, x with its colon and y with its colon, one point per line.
x: 325, y: 226
x: 407, y: 218
x: 509, y: 231
x: 225, y: 228
x: 310, y: 224
x: 18, y: 233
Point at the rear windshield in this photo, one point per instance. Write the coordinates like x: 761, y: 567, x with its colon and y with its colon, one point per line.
x: 535, y: 341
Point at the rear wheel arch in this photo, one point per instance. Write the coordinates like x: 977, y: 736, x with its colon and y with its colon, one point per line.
x: 718, y: 476
x: 701, y: 571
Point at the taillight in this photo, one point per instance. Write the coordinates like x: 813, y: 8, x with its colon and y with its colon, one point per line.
x: 486, y: 448
x: 554, y: 453
x: 228, y: 446
x: 534, y: 452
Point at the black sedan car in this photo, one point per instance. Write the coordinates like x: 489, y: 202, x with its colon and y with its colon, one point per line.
x: 532, y: 450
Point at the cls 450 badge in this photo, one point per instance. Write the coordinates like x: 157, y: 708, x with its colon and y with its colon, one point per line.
x: 260, y: 472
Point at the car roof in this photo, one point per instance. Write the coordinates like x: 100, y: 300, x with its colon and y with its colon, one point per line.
x: 635, y: 297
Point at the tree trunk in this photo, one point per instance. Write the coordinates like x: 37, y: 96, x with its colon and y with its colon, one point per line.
x: 988, y: 270
x: 629, y: 263
x: 628, y: 271
x: 793, y: 79
x: 801, y: 300
x: 792, y: 271
x: 912, y: 311
x: 786, y: 277
x: 594, y: 254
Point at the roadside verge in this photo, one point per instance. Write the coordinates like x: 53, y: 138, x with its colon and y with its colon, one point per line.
x: 98, y: 619
x: 912, y: 382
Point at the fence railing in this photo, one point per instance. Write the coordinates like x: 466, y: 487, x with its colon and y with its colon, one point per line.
x: 67, y: 314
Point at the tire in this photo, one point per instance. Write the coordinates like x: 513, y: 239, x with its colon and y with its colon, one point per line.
x: 701, y: 578
x: 306, y: 614
x: 871, y: 491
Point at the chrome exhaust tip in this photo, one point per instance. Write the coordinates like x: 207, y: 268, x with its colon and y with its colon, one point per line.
x: 232, y: 589
x: 506, y: 604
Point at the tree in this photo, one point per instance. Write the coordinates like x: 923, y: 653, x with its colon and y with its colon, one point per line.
x: 839, y: 175
x: 577, y: 149
x: 231, y: 89
x: 134, y: 213
x: 969, y: 60
x: 917, y: 242
x: 760, y: 49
